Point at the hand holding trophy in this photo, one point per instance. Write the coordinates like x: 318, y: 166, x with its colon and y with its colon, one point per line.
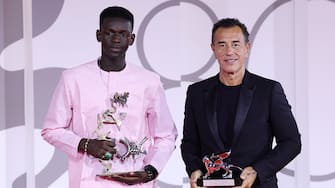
x: 123, y: 148
x: 130, y: 178
x: 220, y: 172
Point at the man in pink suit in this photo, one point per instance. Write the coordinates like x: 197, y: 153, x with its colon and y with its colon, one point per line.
x: 111, y: 117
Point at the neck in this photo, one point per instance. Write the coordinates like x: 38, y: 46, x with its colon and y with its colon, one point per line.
x: 232, y: 79
x: 111, y: 64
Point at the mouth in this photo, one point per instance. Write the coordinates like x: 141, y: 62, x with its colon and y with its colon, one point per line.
x: 115, y: 49
x: 230, y: 61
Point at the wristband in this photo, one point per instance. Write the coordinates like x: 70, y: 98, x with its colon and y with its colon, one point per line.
x: 151, y: 172
x: 86, y: 145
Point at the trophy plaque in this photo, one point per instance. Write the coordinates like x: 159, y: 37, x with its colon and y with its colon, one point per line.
x: 220, y: 173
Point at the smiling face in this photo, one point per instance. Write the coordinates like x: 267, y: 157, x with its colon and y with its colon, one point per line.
x: 231, y: 50
x: 116, y: 36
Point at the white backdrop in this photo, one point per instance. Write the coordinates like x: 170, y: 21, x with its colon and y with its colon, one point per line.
x: 292, y: 42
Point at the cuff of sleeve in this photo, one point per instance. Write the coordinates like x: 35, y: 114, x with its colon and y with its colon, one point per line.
x: 151, y: 172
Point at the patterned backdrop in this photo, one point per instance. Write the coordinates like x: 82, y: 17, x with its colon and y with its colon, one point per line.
x: 292, y: 42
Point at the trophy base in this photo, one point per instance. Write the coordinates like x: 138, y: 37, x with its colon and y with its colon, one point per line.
x: 225, y: 182
x: 117, y: 175
x: 111, y: 176
x: 105, y: 176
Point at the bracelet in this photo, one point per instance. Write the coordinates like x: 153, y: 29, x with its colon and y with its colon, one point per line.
x: 86, y: 145
x: 151, y: 172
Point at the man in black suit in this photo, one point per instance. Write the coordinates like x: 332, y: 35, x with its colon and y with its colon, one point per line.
x: 240, y: 112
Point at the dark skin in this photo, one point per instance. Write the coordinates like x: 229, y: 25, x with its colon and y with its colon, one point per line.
x: 129, y: 178
x: 115, y: 36
x: 97, y: 148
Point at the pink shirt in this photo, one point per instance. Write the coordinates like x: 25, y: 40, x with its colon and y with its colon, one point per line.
x: 82, y: 93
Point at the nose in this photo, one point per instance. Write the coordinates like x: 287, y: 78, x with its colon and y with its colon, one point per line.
x: 116, y: 38
x: 229, y: 50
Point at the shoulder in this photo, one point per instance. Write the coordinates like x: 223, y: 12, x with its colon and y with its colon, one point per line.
x: 78, y: 75
x: 258, y: 80
x: 204, y: 84
x: 142, y: 73
x: 141, y: 70
x: 89, y: 66
x: 80, y: 72
x: 264, y: 86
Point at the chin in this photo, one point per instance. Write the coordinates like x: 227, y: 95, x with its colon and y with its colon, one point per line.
x: 115, y: 55
x: 229, y: 71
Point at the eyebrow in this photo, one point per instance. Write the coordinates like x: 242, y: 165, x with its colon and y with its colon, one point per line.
x: 234, y: 41
x: 114, y: 30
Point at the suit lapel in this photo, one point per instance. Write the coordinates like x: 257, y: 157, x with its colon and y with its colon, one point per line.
x: 210, y: 98
x: 244, y: 102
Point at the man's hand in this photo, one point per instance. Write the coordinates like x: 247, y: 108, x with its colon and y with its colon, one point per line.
x: 248, y: 176
x: 129, y: 178
x: 98, y: 148
x: 194, y: 176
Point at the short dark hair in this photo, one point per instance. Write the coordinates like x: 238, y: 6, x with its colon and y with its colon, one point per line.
x: 117, y: 12
x: 228, y: 23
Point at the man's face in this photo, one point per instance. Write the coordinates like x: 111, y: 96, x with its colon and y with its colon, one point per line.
x: 115, y: 36
x: 230, y: 49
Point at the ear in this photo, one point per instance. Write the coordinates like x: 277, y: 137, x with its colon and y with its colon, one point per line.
x: 213, y: 50
x: 212, y: 47
x: 98, y: 35
x: 131, y: 39
x: 248, y: 46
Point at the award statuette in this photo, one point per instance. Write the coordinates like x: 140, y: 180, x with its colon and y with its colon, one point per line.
x: 220, y: 173
x: 125, y: 149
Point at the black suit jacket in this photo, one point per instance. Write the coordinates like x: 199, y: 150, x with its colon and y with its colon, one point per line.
x: 262, y: 114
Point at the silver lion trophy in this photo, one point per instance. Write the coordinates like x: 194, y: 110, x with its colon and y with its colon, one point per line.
x: 126, y: 148
x: 220, y: 173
